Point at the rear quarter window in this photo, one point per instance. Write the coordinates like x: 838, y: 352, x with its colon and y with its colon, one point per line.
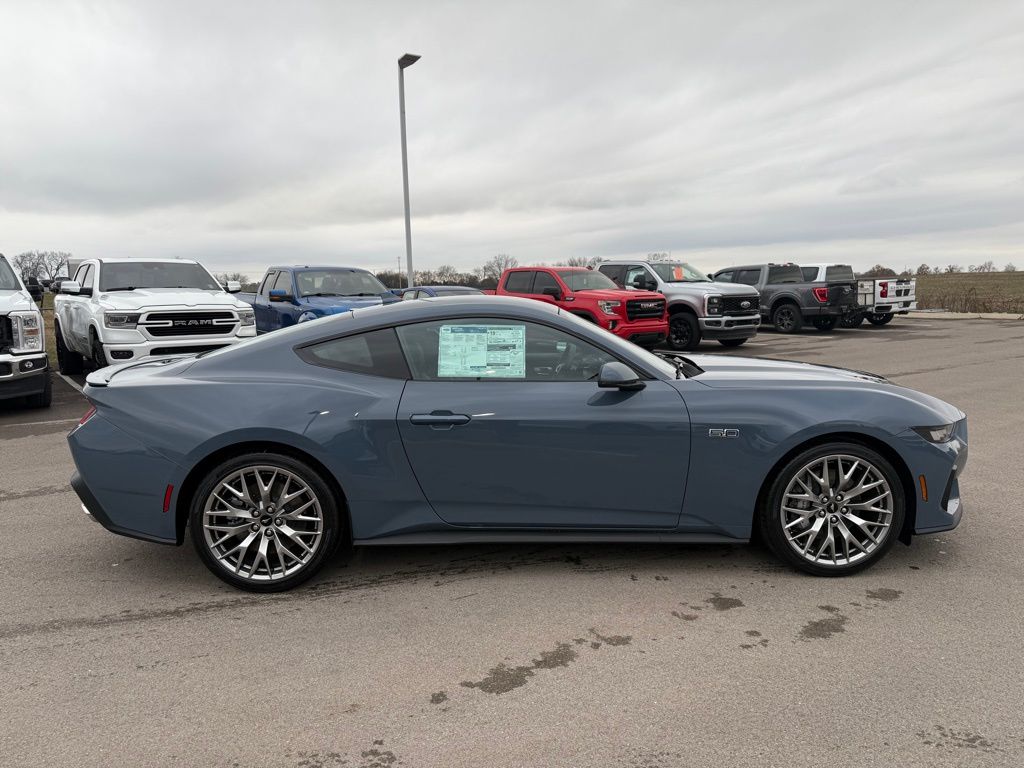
x: 375, y: 353
x: 789, y: 273
x: 810, y: 274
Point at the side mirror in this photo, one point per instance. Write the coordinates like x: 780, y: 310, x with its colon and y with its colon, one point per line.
x: 279, y: 294
x: 70, y: 286
x: 619, y: 376
x: 233, y: 286
x: 552, y: 292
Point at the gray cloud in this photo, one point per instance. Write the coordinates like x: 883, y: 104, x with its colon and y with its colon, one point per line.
x: 245, y: 132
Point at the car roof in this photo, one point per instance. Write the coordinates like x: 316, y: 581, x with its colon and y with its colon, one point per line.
x: 317, y: 266
x: 436, y: 287
x: 140, y: 260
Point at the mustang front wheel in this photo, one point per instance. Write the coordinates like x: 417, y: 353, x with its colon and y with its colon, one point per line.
x: 834, y: 509
x: 264, y: 522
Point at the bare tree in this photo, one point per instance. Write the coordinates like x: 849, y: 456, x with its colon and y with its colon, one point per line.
x: 225, y: 277
x: 446, y: 274
x: 1010, y: 267
x: 880, y: 271
x: 924, y: 269
x: 491, y: 271
x: 42, y: 264
x: 952, y: 269
x: 986, y: 266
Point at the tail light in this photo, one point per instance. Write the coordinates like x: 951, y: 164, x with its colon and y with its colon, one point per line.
x: 88, y: 415
x: 883, y: 290
x: 821, y: 294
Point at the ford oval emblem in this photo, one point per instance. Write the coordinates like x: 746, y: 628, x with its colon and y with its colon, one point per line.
x: 744, y: 305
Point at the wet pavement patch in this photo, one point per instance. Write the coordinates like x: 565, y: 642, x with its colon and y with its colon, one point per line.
x: 884, y: 594
x: 503, y: 678
x: 822, y: 629
x: 438, y: 698
x: 613, y: 640
x: 951, y: 738
x: 720, y: 603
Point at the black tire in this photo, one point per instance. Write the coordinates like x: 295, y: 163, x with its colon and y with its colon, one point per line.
x: 69, y: 363
x: 330, y: 513
x: 824, y: 323
x: 880, y: 319
x: 786, y: 318
x: 770, y: 516
x: 852, y: 320
x: 683, y: 332
x: 42, y: 399
x: 732, y: 342
x: 99, y: 357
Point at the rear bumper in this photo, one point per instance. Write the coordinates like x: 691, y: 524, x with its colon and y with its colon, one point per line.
x: 896, y: 308
x: 729, y: 327
x: 829, y: 311
x: 22, y: 375
x: 92, y: 507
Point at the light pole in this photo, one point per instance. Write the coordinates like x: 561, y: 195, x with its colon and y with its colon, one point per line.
x: 406, y: 61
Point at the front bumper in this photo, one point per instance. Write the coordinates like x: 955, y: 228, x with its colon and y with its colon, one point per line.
x: 22, y: 375
x: 941, y: 465
x: 643, y: 332
x: 120, y: 347
x: 729, y: 327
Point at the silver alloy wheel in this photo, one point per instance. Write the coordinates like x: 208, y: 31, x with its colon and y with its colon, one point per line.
x: 262, y: 523
x: 837, y: 510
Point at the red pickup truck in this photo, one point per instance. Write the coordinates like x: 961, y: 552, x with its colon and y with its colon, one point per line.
x: 637, y: 316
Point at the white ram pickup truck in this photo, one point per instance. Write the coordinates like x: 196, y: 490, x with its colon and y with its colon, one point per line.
x: 23, y: 368
x: 119, y: 310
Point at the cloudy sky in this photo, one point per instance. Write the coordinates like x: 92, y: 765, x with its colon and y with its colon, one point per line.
x: 243, y: 133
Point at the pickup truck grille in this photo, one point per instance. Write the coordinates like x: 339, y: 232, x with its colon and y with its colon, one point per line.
x: 161, y: 324
x: 6, y: 334
x: 733, y: 305
x: 637, y: 309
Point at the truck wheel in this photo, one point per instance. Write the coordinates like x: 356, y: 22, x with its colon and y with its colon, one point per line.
x: 786, y: 318
x: 42, y: 399
x: 264, y: 522
x: 852, y: 320
x: 683, y: 332
x: 824, y: 323
x: 68, y: 362
x: 99, y: 357
x: 879, y: 319
x: 732, y: 342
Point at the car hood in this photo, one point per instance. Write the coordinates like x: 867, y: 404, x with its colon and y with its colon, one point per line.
x: 333, y: 305
x: 725, y: 372
x: 723, y: 289
x: 618, y: 294
x: 151, y: 298
x: 14, y: 301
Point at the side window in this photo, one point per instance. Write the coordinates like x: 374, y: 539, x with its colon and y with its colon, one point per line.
x: 810, y: 274
x: 614, y: 272
x: 636, y: 272
x: 519, y: 282
x: 268, y: 280
x: 724, y: 277
x: 284, y: 282
x: 408, y: 295
x: 375, y: 353
x: 545, y: 280
x: 483, y: 349
x: 80, y: 273
x: 748, y: 276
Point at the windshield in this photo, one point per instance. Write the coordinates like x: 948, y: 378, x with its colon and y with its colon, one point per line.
x: 129, y: 275
x: 679, y: 272
x: 8, y: 281
x: 586, y: 280
x: 338, y: 282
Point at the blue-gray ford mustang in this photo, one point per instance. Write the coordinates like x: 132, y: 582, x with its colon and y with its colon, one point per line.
x: 497, y: 419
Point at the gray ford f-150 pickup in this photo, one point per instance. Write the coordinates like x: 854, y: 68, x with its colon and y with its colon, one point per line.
x: 787, y: 300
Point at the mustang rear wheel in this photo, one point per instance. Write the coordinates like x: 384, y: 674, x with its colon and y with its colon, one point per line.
x: 264, y: 522
x: 834, y: 509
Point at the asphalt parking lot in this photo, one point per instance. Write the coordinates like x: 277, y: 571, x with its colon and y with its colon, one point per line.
x: 119, y: 652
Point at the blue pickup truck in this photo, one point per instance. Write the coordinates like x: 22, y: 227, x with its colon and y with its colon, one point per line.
x: 290, y: 295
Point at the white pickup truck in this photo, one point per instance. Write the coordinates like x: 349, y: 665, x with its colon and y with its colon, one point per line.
x: 23, y: 369
x: 118, y: 310
x: 878, y: 299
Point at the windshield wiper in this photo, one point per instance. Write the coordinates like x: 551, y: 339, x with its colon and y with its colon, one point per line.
x: 321, y: 293
x: 685, y: 368
x: 120, y: 288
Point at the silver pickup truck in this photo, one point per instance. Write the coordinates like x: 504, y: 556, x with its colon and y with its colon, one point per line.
x: 698, y: 308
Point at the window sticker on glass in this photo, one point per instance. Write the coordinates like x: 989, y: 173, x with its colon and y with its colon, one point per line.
x: 482, y: 351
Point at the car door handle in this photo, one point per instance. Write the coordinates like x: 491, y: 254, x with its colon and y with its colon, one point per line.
x: 439, y: 419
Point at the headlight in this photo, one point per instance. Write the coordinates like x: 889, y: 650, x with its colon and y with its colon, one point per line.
x: 609, y: 307
x: 941, y: 434
x: 307, y: 316
x: 27, y: 332
x: 713, y: 305
x: 120, y: 319
x: 246, y: 317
